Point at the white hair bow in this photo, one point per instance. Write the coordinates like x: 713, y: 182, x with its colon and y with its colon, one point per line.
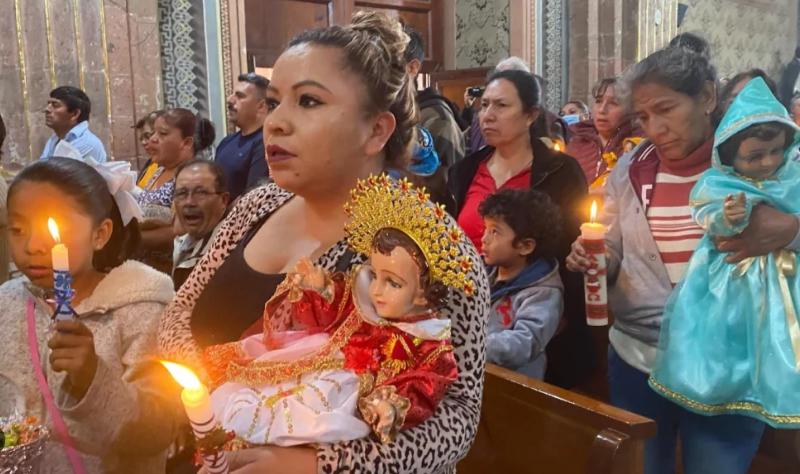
x: 121, y: 180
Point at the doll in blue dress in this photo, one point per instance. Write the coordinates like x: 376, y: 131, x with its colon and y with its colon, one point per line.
x: 730, y: 337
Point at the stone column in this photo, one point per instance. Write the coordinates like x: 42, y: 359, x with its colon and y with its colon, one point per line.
x: 603, y: 41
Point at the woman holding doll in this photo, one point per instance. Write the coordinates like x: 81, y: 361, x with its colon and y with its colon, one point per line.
x: 650, y: 240
x: 317, y: 152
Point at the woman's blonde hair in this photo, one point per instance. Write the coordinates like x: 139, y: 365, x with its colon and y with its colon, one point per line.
x: 373, y: 48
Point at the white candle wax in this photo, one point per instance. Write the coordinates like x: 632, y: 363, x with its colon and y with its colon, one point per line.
x: 197, y: 403
x: 60, y: 258
x: 593, y: 231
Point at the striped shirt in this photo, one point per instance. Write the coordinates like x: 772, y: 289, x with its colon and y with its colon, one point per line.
x: 670, y: 216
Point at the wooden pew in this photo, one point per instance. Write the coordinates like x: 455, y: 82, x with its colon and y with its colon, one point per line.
x: 529, y: 426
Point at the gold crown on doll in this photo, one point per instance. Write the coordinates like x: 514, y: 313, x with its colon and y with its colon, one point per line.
x: 378, y: 203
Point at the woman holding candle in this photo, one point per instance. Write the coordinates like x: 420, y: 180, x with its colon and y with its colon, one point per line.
x: 516, y: 160
x: 650, y: 238
x: 341, y: 108
x: 91, y: 378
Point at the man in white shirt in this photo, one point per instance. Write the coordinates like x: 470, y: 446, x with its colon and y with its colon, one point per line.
x: 67, y: 113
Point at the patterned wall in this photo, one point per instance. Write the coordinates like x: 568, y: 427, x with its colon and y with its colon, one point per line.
x: 109, y: 48
x: 554, y: 62
x: 482, y: 32
x: 183, y: 51
x: 746, y: 34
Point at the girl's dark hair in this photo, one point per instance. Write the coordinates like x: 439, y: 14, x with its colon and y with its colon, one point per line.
x: 530, y: 214
x: 191, y: 125
x: 89, y: 189
x: 373, y: 47
x: 763, y: 131
x: 386, y: 240
x: 528, y: 89
x: 679, y: 68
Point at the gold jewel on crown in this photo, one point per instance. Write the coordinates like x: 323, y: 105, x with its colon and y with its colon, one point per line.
x: 378, y: 203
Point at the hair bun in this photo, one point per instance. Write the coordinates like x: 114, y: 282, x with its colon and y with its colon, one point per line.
x: 386, y: 31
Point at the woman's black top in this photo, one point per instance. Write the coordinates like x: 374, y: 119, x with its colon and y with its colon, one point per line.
x: 234, y: 298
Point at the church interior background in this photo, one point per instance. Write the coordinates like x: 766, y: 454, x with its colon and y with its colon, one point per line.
x: 135, y: 56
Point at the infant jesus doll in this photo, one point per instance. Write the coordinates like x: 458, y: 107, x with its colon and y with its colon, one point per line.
x: 343, y: 356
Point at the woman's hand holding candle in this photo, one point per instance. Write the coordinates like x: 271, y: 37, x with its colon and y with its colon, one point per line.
x: 197, y: 403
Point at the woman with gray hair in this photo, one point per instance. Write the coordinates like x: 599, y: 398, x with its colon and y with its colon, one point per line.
x: 651, y: 236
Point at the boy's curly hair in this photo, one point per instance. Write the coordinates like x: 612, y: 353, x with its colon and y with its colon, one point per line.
x: 763, y: 131
x: 530, y: 214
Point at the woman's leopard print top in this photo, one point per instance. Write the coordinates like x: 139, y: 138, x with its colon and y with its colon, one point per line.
x: 432, y: 447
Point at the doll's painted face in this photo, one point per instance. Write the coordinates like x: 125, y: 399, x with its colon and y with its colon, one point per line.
x: 395, y: 289
x: 759, y: 159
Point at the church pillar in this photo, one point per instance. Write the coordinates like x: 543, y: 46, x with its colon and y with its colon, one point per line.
x: 108, y: 48
x: 604, y: 39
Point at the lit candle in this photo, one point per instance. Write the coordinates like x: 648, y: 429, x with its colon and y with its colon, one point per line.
x: 61, y: 276
x: 197, y: 403
x: 595, y: 287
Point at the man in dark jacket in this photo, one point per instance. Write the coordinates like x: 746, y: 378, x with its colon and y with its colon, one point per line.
x: 789, y: 79
x: 437, y: 114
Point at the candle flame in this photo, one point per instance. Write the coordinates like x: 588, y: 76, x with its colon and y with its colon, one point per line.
x: 594, y: 212
x: 182, y: 375
x: 557, y: 147
x: 51, y: 224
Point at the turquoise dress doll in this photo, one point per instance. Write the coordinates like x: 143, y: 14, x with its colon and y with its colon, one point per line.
x: 730, y: 337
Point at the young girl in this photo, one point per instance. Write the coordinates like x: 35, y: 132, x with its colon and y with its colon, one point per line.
x: 92, y: 380
x: 730, y: 339
x: 370, y: 343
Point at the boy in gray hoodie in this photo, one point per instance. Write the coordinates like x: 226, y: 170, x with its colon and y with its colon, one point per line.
x: 522, y: 228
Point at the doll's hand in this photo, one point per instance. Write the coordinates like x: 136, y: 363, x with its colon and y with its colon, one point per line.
x: 735, y: 208
x: 72, y: 350
x: 310, y: 276
x: 386, y: 415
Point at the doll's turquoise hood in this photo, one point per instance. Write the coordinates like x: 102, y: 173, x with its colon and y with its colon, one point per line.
x: 755, y: 104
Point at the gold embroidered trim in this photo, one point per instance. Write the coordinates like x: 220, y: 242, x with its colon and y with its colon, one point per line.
x: 271, y: 372
x: 252, y: 375
x: 435, y: 354
x: 366, y: 383
x: 732, y: 406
